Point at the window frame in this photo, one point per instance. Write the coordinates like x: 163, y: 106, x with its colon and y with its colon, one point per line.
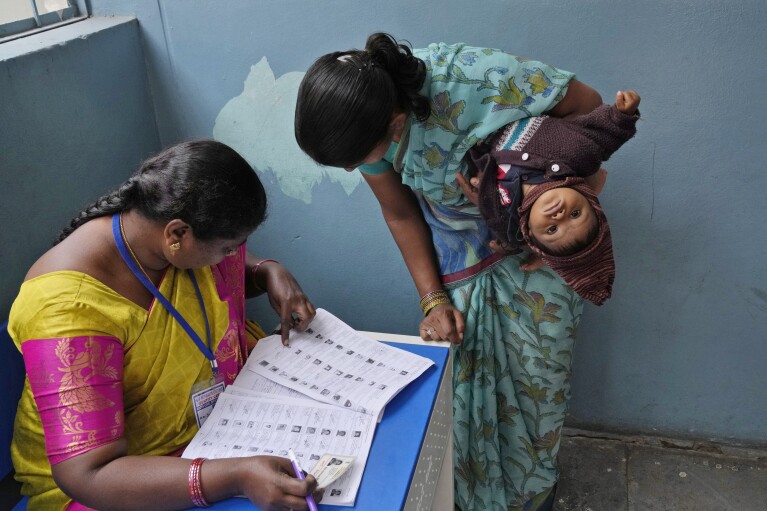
x: 77, y: 11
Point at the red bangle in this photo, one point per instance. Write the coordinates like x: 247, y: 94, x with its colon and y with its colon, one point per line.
x: 195, y: 483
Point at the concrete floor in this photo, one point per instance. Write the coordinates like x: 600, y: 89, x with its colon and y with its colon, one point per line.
x: 613, y: 473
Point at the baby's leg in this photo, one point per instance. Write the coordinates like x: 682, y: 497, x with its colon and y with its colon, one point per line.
x: 627, y: 102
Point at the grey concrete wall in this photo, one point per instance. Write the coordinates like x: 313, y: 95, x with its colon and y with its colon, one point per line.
x: 75, y: 119
x: 680, y: 348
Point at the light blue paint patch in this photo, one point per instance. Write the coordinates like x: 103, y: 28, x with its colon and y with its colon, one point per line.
x: 259, y: 125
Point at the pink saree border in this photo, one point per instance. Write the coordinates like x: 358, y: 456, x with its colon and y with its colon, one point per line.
x: 231, y: 352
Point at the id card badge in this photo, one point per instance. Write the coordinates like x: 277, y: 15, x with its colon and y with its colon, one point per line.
x: 204, y: 397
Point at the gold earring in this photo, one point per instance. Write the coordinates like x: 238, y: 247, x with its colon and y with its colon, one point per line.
x: 173, y: 247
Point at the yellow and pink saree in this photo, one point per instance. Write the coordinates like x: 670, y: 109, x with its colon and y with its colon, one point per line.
x: 100, y: 367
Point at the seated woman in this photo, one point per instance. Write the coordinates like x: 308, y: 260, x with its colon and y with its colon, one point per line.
x: 140, y: 304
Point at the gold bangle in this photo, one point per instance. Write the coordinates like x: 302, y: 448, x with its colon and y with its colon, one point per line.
x: 428, y: 309
x: 432, y: 299
x: 432, y: 295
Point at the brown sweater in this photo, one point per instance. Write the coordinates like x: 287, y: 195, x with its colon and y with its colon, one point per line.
x: 544, y: 149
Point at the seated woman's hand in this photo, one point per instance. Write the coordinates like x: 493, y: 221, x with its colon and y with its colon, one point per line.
x: 287, y: 299
x: 270, y: 483
x: 444, y: 323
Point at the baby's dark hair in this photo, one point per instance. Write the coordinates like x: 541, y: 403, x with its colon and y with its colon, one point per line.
x: 205, y: 183
x: 568, y: 249
x: 346, y: 99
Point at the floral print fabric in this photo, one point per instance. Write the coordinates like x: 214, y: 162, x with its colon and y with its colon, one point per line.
x: 473, y: 92
x: 511, y: 384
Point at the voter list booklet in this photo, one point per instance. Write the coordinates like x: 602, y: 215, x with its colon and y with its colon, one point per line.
x: 321, y: 394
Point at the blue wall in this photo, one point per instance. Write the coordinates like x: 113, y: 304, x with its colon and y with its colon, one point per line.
x: 680, y: 347
x: 75, y: 119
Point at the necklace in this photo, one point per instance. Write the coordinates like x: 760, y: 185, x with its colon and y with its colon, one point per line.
x: 130, y: 249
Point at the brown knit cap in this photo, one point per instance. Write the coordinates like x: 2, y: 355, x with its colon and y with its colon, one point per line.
x: 591, y: 271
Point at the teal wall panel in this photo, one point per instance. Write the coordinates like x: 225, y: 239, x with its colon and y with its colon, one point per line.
x: 75, y: 119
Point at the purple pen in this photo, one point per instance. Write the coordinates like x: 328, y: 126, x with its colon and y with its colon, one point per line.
x: 300, y: 475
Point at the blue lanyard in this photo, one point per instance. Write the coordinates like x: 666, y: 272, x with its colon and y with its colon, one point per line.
x: 206, y: 350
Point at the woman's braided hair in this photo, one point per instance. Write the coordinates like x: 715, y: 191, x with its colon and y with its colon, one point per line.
x: 346, y: 100
x: 205, y: 183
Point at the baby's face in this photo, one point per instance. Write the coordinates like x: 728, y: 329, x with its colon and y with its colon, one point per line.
x: 561, y: 217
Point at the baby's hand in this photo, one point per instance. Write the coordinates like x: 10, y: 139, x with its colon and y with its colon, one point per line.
x: 470, y: 188
x: 627, y: 102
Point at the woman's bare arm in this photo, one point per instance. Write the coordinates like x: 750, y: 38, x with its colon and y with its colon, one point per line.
x: 405, y: 220
x: 106, y: 478
x: 579, y: 99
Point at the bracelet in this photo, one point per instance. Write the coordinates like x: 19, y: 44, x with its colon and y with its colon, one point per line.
x: 195, y: 483
x: 255, y: 267
x: 432, y: 299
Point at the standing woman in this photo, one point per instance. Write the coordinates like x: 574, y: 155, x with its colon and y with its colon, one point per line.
x: 406, y: 119
x: 140, y: 304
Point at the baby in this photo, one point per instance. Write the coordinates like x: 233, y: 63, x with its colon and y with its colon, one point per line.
x: 538, y: 182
